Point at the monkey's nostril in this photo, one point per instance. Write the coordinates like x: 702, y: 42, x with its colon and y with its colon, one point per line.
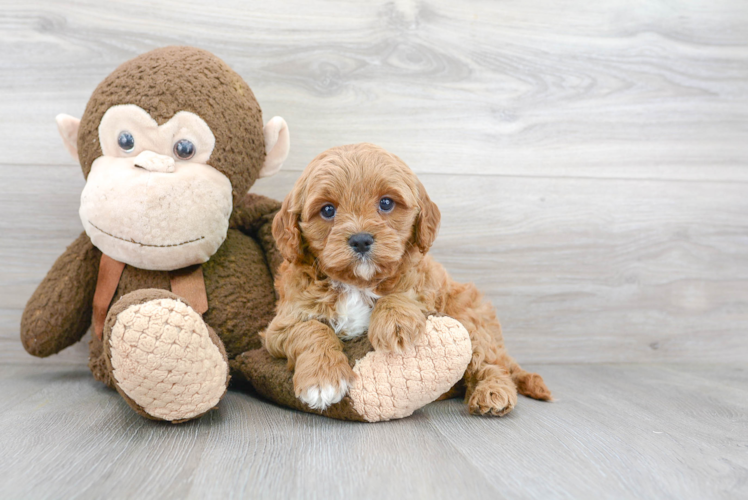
x: 361, y: 242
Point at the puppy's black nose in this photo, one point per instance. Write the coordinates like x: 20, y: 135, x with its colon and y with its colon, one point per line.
x: 361, y: 242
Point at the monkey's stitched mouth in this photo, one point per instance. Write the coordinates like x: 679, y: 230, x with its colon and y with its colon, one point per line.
x: 145, y: 244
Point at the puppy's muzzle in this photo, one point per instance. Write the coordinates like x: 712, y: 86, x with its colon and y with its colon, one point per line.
x: 361, y: 243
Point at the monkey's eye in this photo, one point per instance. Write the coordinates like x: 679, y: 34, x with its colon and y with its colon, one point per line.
x: 386, y: 205
x: 327, y: 212
x: 184, y: 149
x: 126, y: 141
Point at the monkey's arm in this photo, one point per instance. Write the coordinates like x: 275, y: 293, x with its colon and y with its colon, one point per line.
x: 240, y: 293
x: 253, y: 215
x: 59, y: 312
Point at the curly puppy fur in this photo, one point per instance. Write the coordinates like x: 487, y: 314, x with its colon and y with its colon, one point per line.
x: 396, y: 277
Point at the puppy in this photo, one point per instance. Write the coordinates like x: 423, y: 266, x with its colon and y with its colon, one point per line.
x: 355, y: 232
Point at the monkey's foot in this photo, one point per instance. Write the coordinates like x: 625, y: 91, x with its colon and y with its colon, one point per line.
x: 394, y: 385
x: 164, y: 360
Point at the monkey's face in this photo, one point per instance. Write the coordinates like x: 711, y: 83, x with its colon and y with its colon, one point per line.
x: 151, y: 200
x: 168, y: 143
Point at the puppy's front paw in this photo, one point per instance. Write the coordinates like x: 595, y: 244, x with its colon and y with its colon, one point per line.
x: 321, y: 380
x: 394, y: 328
x: 320, y: 397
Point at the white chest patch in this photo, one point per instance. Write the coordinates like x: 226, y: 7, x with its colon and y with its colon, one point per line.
x: 353, y: 311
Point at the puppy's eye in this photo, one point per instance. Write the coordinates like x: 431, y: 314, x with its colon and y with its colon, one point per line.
x: 386, y: 205
x: 184, y: 149
x: 327, y: 212
x: 126, y: 141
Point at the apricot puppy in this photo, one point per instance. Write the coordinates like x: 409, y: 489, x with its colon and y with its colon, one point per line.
x: 355, y: 232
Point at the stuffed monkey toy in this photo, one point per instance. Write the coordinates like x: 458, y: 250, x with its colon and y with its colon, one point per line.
x: 174, y: 269
x: 174, y: 266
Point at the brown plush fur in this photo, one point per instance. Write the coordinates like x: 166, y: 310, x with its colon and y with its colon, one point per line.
x: 239, y: 286
x: 59, y: 312
x: 238, y: 282
x: 239, y: 276
x: 171, y: 79
x: 410, y: 283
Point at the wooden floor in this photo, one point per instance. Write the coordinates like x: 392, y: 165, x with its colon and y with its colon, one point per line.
x: 591, y: 163
x: 616, y: 431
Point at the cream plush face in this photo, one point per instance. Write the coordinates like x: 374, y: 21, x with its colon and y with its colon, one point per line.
x: 145, y: 205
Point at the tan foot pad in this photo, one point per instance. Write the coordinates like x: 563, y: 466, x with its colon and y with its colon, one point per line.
x: 391, y: 385
x: 165, y: 361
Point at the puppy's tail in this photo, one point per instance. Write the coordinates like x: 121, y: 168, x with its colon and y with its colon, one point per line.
x: 528, y: 384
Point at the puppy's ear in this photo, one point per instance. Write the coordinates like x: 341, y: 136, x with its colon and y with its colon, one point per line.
x: 286, y: 228
x: 427, y: 222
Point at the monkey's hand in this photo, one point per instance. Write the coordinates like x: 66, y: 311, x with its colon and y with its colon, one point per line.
x: 397, y: 321
x: 59, y: 312
x: 253, y: 215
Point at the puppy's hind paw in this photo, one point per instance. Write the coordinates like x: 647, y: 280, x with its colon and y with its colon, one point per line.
x: 532, y: 386
x: 320, y: 397
x: 492, y: 398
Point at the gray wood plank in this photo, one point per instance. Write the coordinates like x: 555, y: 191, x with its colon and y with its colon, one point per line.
x: 580, y: 270
x: 729, y: 375
x: 631, y: 431
x: 73, y: 438
x: 617, y: 431
x: 618, y: 90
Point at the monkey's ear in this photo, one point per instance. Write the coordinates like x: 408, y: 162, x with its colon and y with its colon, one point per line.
x: 68, y: 127
x: 427, y: 223
x: 277, y: 144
